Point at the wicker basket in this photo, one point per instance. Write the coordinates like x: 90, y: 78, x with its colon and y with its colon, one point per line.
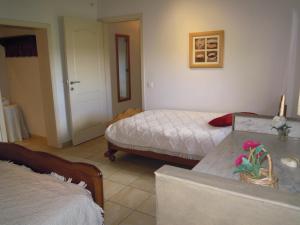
x: 268, y: 179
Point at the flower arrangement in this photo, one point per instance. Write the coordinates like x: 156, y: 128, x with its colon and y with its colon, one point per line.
x: 280, y: 124
x: 249, y: 165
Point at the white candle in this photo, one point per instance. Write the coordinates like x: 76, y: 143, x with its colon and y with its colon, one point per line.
x: 299, y: 105
x: 282, y: 106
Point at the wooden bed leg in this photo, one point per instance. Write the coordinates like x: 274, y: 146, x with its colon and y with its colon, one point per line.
x: 110, y: 153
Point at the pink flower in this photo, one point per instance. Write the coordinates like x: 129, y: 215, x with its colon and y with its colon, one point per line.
x: 250, y: 144
x: 239, y: 159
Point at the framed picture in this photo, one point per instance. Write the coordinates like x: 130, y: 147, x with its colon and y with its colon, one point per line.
x: 207, y: 49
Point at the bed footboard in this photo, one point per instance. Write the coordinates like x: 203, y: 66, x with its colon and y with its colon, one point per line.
x: 43, y: 162
x: 112, y: 149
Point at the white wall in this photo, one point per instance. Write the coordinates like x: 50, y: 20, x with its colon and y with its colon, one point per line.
x: 131, y: 28
x: 260, y: 60
x: 50, y: 12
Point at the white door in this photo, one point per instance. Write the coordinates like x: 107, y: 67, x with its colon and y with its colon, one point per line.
x: 86, y: 78
x: 3, y: 135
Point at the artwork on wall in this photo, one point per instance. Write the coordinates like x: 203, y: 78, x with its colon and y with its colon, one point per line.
x: 206, y: 49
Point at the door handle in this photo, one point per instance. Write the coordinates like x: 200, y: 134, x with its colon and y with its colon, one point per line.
x: 74, y: 82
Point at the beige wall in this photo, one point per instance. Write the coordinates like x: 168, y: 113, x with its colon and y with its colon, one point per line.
x: 3, y: 74
x: 4, y: 89
x: 261, y: 50
x: 51, y: 12
x: 131, y: 28
x: 23, y: 82
x: 25, y: 90
x: 48, y: 93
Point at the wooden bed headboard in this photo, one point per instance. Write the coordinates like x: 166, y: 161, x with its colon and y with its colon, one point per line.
x: 43, y: 162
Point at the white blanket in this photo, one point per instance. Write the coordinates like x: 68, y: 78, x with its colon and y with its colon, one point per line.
x: 179, y: 133
x: 28, y: 198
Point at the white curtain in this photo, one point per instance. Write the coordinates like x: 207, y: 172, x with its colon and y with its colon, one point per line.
x: 3, y: 135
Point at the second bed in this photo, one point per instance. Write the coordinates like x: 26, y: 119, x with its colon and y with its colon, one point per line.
x: 171, y: 135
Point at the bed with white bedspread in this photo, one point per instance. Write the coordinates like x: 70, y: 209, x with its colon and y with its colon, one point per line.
x: 183, y: 134
x: 30, y: 198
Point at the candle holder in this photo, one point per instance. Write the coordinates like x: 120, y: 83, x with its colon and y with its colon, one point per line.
x: 283, y: 134
x: 279, y: 123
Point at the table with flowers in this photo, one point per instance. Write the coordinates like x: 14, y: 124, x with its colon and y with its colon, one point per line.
x: 229, y: 155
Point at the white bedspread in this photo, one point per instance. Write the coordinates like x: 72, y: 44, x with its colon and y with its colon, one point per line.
x: 28, y: 198
x: 179, y: 133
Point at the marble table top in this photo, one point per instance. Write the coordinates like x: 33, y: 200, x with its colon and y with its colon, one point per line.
x: 221, y: 161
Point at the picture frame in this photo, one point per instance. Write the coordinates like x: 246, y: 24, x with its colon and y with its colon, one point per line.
x: 206, y: 49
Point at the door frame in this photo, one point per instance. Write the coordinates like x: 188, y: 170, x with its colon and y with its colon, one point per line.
x: 49, y: 98
x: 106, y: 21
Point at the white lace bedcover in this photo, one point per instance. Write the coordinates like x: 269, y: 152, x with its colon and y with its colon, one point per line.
x: 179, y: 133
x: 30, y: 198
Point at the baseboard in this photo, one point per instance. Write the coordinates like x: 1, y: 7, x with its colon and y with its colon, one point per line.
x: 38, y: 137
x: 66, y: 144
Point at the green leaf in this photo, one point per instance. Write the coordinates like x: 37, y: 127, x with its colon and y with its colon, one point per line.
x: 259, y: 149
x: 262, y: 157
x: 240, y: 169
x: 237, y: 170
x: 256, y: 169
x: 247, y: 164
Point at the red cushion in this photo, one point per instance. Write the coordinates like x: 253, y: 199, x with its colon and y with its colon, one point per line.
x: 226, y: 120
x: 222, y: 121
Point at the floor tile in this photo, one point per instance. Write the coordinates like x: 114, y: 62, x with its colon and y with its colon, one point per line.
x: 137, y: 218
x: 133, y: 204
x: 111, y: 188
x: 148, y: 206
x: 98, y: 157
x: 114, y: 214
x: 145, y: 183
x: 107, y: 170
x: 130, y: 197
x: 124, y: 176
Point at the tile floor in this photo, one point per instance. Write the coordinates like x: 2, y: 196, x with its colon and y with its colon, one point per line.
x: 129, y: 182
